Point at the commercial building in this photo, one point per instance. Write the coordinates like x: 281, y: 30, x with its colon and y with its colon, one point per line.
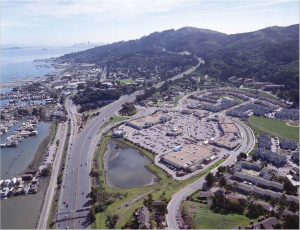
x: 226, y: 141
x: 175, y: 132
x: 118, y: 133
x: 149, y: 121
x: 183, y: 157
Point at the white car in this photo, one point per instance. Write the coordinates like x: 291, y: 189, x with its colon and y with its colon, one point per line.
x: 104, y: 119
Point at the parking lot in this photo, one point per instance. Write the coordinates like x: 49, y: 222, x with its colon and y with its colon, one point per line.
x: 155, y: 138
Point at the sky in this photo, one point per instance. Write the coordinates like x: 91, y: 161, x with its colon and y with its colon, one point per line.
x: 52, y: 22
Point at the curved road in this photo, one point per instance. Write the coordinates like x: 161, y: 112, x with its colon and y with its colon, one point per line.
x: 76, y: 179
x: 175, y: 203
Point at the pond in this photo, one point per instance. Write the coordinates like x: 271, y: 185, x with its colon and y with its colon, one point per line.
x: 126, y: 167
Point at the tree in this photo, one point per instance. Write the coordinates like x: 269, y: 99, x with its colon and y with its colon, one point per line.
x: 35, y: 112
x: 234, y: 186
x: 93, y: 214
x: 289, y: 187
x: 153, y: 224
x: 290, y: 222
x: 23, y: 112
x: 238, y: 158
x: 223, y: 181
x: 45, y: 171
x: 95, y: 172
x: 80, y: 86
x: 282, y: 200
x: 293, y: 206
x: 128, y: 108
x: 210, y: 179
x: 254, y: 158
x: 277, y: 226
x: 243, y: 155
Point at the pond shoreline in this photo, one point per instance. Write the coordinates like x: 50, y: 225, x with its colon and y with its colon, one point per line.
x: 119, y: 145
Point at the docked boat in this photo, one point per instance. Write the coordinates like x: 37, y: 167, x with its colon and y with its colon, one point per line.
x: 6, y: 183
x: 3, y: 145
x: 26, y: 189
x: 25, y: 133
x: 4, y: 192
x: 13, y: 181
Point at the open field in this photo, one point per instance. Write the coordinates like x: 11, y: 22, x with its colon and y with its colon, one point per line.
x: 236, y: 99
x: 204, y: 218
x: 264, y: 94
x: 114, y: 119
x: 275, y: 127
x: 125, y: 81
x: 133, y: 198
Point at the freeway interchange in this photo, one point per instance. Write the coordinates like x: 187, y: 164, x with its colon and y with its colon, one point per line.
x: 76, y: 185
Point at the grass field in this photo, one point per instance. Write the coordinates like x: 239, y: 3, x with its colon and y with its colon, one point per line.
x: 178, y: 97
x: 204, y: 218
x: 236, y: 99
x: 275, y: 127
x: 125, y: 81
x: 114, y: 119
x: 133, y: 198
x: 264, y: 94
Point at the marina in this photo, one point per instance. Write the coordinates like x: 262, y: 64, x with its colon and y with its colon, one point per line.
x: 26, y: 129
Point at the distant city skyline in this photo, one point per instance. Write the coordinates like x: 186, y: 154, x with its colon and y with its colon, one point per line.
x: 43, y: 23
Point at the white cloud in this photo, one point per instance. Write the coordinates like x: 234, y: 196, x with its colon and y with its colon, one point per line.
x: 259, y: 4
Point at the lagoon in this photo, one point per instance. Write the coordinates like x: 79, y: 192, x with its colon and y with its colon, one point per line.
x: 126, y: 167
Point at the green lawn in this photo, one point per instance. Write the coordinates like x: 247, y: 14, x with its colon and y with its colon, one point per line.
x: 236, y: 99
x: 264, y: 94
x: 178, y: 97
x: 123, y: 207
x: 204, y: 218
x: 114, y: 119
x: 275, y: 127
x: 125, y: 81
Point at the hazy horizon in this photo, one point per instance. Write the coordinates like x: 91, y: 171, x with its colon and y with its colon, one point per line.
x: 63, y: 23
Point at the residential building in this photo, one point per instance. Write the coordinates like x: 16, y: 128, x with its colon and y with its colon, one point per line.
x: 268, y: 223
x: 143, y: 217
x: 268, y: 155
x: 244, y: 188
x: 288, y: 144
x: 264, y: 141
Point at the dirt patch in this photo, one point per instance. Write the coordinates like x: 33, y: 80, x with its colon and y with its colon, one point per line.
x: 292, y: 124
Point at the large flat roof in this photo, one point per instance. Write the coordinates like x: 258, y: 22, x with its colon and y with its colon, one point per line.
x: 151, y: 118
x: 225, y: 140
x: 189, y: 154
x: 228, y: 126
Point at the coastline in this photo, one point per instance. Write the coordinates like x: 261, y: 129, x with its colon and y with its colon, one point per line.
x: 38, y: 155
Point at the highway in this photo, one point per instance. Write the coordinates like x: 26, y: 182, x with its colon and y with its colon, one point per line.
x: 76, y: 180
x: 175, y: 203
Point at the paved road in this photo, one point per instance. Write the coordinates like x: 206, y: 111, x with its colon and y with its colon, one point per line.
x: 174, y: 205
x: 76, y: 181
